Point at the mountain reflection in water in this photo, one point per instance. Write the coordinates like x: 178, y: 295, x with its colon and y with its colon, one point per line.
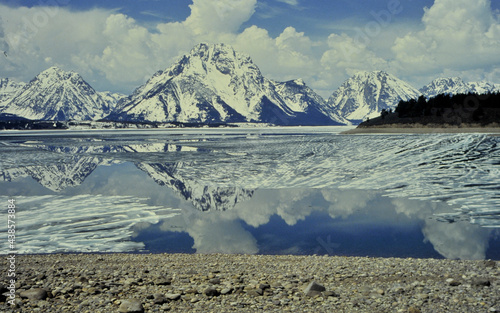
x: 293, y: 193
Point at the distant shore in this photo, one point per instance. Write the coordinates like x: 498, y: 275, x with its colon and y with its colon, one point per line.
x: 421, y: 129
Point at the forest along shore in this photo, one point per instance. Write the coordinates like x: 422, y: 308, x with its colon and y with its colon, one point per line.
x: 461, y: 113
x: 250, y: 283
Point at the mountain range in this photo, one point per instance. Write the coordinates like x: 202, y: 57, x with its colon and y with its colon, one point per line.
x: 455, y: 85
x: 216, y: 84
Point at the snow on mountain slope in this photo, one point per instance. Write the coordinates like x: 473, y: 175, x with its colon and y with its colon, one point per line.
x: 8, y: 89
x: 300, y: 98
x: 111, y: 98
x: 366, y: 94
x: 450, y: 85
x: 455, y: 85
x: 213, y: 83
x: 482, y: 87
x: 57, y: 95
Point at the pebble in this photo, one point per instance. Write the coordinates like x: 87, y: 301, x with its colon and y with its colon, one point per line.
x: 214, y: 281
x: 173, y: 296
x: 211, y: 292
x: 330, y: 294
x: 158, y: 298
x: 34, y: 294
x: 162, y: 281
x: 131, y: 306
x: 453, y: 282
x: 226, y: 291
x: 314, y: 289
x: 481, y: 282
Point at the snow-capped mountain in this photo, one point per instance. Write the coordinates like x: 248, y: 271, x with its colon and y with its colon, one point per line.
x: 111, y: 98
x: 55, y: 94
x: 366, y: 94
x: 483, y: 87
x: 214, y: 83
x: 8, y: 89
x: 456, y: 85
x: 300, y: 98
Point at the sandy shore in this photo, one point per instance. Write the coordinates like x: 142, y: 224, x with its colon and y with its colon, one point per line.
x: 242, y: 283
x: 423, y: 130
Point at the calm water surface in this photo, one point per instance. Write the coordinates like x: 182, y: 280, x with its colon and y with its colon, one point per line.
x: 267, y: 191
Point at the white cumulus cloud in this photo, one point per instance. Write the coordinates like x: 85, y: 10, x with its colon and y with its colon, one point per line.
x: 347, y: 54
x: 457, y: 35
x: 219, y: 16
x: 115, y: 52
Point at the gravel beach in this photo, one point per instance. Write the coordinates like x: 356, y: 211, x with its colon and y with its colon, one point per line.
x: 421, y: 129
x: 248, y: 283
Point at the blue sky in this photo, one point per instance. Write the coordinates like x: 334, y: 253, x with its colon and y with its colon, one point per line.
x: 117, y: 44
x: 273, y: 15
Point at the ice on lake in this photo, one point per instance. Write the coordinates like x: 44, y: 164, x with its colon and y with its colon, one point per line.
x: 298, y: 190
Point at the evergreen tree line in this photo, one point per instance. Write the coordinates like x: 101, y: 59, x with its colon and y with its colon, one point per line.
x: 462, y: 107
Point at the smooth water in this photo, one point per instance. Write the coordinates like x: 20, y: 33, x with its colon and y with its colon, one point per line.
x: 301, y: 190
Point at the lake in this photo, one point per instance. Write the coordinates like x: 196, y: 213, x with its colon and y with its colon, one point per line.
x: 290, y: 190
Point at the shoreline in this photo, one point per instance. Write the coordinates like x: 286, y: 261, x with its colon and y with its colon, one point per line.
x: 422, y: 130
x: 250, y: 283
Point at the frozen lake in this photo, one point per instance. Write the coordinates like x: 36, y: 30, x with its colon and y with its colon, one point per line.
x: 301, y: 190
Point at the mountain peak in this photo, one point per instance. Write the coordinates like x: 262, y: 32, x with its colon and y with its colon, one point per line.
x: 221, y: 56
x: 447, y: 81
x: 206, y: 47
x: 366, y: 94
x: 456, y: 85
x: 53, y: 69
x: 57, y: 71
x: 371, y: 74
x: 214, y: 84
x: 55, y: 94
x: 299, y: 82
x: 55, y: 75
x: 203, y: 46
x: 212, y: 51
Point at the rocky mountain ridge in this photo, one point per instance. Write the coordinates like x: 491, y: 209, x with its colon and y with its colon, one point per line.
x: 216, y: 84
x: 57, y: 95
x: 456, y: 85
x: 366, y: 94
